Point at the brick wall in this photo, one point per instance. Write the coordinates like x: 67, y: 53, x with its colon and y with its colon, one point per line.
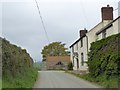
x: 57, y: 62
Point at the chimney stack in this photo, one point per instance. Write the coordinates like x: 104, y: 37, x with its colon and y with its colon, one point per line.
x: 107, y: 13
x: 83, y: 32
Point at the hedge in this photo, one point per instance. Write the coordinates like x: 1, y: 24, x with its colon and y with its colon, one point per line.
x: 104, y: 57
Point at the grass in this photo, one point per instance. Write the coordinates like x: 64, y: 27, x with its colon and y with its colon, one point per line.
x: 101, y: 80
x: 24, y: 80
x: 0, y: 84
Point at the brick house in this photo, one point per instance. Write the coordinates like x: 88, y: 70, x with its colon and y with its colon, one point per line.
x: 57, y: 62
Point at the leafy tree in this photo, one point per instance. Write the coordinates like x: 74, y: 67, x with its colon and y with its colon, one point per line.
x: 54, y: 49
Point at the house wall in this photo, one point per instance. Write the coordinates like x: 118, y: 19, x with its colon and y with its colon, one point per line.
x: 51, y: 61
x: 92, y: 37
x: 84, y: 51
x: 74, y: 49
x: 75, y: 64
x: 71, y: 54
x: 114, y: 29
x: 77, y: 48
x: 99, y: 36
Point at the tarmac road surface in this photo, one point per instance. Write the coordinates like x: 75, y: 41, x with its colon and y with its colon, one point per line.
x: 60, y: 79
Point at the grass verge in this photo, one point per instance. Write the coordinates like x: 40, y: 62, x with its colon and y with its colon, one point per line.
x: 24, y: 80
x: 101, y: 80
x: 0, y: 84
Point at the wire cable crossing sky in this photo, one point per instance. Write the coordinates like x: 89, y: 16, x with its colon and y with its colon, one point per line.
x: 33, y: 24
x: 42, y: 21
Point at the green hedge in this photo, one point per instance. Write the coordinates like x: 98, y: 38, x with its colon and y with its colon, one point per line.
x: 14, y: 59
x: 17, y: 66
x: 24, y: 80
x: 104, y: 57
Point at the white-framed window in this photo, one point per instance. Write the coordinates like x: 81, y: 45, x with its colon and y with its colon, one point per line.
x: 104, y: 34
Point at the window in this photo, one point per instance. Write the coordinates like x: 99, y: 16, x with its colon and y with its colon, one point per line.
x: 82, y: 59
x: 81, y: 42
x: 104, y: 34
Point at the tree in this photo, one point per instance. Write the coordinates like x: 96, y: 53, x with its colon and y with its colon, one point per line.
x: 54, y: 49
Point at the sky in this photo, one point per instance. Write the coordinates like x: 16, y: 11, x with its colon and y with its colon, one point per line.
x: 20, y: 22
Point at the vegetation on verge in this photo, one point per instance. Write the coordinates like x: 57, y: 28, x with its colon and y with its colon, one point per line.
x: 70, y: 66
x: 99, y: 81
x: 24, y: 80
x: 17, y: 67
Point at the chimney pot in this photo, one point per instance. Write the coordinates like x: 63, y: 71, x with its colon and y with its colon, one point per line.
x: 108, y: 5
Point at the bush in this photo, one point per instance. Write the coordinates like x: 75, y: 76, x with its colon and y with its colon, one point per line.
x: 70, y: 66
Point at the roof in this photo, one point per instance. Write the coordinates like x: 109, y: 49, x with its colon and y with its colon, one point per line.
x: 107, y: 26
x: 77, y: 41
x: 95, y: 27
x: 85, y: 35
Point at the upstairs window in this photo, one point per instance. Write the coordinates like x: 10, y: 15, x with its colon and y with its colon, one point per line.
x: 104, y: 34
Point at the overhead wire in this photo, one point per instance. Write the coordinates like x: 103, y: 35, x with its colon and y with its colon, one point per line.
x: 42, y: 21
x: 84, y: 14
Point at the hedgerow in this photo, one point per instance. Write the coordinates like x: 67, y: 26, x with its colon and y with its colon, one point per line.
x: 17, y: 66
x: 104, y: 57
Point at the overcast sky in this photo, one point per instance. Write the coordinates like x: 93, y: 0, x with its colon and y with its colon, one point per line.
x: 21, y: 25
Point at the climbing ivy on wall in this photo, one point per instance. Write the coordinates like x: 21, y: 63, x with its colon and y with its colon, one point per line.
x: 104, y: 57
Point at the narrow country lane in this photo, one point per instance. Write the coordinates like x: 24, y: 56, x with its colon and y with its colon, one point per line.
x: 60, y: 79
